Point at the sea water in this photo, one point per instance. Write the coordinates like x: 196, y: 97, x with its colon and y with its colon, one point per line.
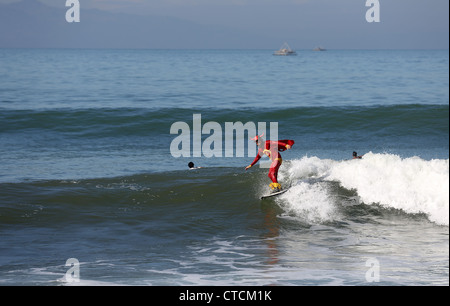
x: 86, y: 171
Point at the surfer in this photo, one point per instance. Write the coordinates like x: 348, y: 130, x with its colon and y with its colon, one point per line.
x: 271, y: 148
x: 192, y: 166
x: 355, y: 155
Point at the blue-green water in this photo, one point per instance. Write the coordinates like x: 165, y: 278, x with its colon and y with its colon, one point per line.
x: 86, y: 170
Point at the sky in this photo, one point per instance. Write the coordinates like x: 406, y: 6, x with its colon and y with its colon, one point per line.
x: 304, y: 24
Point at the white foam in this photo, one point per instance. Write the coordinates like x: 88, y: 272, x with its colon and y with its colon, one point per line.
x: 312, y: 202
x: 411, y: 184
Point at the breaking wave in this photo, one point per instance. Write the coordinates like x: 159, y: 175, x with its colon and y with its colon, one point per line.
x: 413, y: 185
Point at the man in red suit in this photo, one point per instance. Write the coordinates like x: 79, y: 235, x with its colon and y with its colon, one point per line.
x: 271, y: 149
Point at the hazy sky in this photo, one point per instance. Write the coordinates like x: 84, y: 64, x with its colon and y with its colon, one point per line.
x: 404, y: 24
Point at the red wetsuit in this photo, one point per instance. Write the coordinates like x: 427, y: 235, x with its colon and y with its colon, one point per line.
x: 271, y: 149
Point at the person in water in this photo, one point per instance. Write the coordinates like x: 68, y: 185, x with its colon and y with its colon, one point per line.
x: 271, y: 149
x: 192, y: 166
x: 355, y: 155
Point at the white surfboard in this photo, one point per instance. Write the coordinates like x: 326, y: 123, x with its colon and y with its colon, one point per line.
x: 274, y: 194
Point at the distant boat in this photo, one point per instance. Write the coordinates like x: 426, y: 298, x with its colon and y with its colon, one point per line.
x: 285, y: 50
x: 319, y: 49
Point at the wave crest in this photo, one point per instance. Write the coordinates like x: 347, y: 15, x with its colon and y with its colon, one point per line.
x: 412, y: 185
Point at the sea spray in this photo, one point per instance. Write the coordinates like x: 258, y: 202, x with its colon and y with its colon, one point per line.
x: 413, y: 185
x: 314, y: 203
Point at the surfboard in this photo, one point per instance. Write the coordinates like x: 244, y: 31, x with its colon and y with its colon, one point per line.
x: 274, y: 194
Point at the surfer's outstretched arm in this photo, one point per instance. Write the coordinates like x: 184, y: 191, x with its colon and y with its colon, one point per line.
x: 257, y: 158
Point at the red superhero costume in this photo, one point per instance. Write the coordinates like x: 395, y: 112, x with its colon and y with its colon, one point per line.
x: 271, y: 149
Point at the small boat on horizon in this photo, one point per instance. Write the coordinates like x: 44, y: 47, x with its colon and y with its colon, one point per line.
x: 319, y: 49
x: 285, y: 50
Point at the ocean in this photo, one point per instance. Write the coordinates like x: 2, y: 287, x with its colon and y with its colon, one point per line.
x: 91, y: 192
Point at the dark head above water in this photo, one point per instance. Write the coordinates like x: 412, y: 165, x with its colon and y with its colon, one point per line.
x: 355, y: 155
